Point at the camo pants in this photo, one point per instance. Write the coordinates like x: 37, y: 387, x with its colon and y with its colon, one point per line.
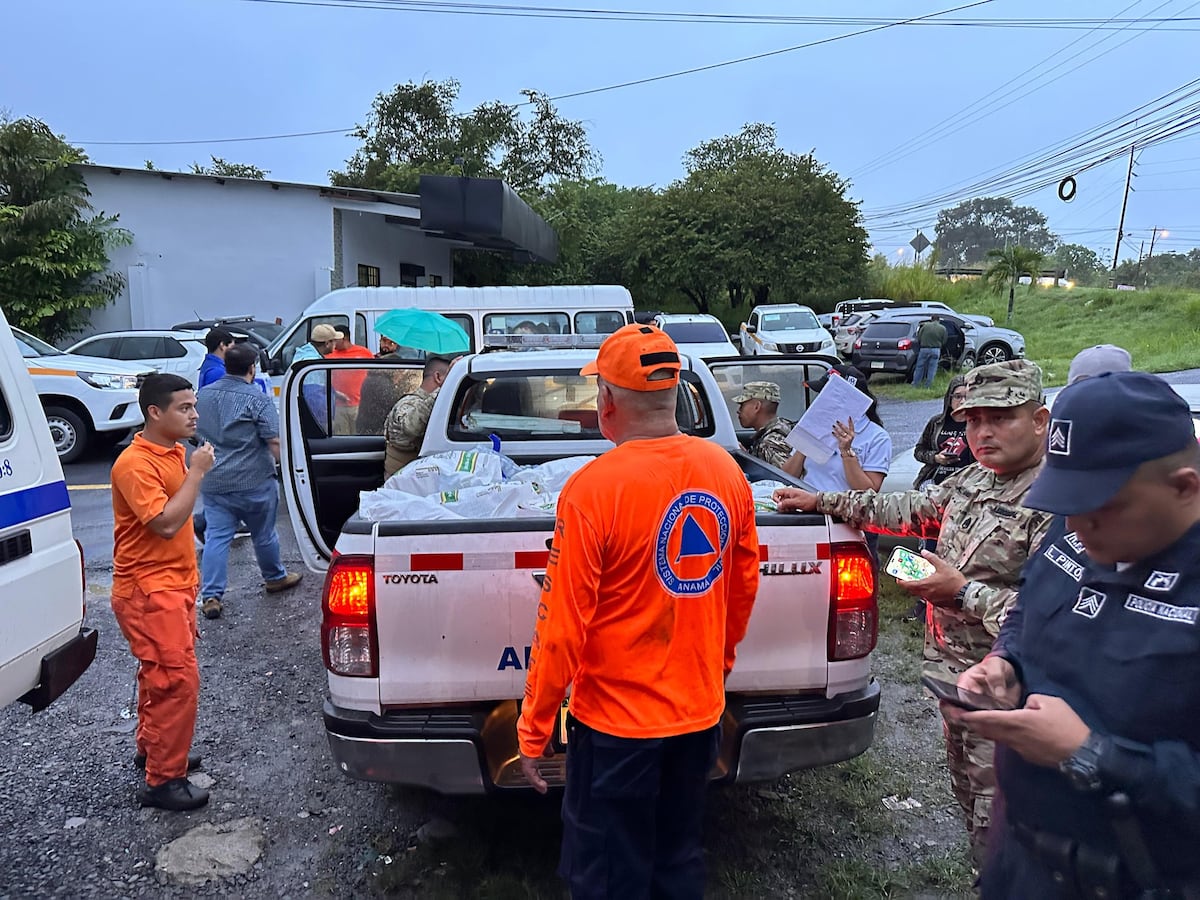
x: 973, y: 779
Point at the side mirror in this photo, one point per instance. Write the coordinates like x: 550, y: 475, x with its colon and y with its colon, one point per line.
x: 274, y: 366
x: 749, y: 329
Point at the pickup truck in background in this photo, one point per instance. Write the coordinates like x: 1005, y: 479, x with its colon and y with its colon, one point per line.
x: 427, y: 624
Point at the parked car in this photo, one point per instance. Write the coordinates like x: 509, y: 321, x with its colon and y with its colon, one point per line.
x: 889, y: 343
x: 85, y: 398
x: 697, y: 335
x: 828, y: 321
x: 849, y: 328
x: 938, y: 305
x: 177, y: 352
x: 241, y: 327
x: 784, y: 328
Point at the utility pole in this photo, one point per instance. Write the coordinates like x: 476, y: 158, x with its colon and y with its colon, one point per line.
x: 1121, y: 226
x: 1137, y: 272
x: 1150, y: 256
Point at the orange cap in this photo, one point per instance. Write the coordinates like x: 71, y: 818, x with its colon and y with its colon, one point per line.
x: 631, y: 354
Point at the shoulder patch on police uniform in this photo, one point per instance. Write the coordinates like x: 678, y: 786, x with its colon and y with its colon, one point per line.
x: 1064, y: 562
x: 1168, y: 612
x: 1089, y: 603
x: 1060, y: 437
x: 1071, y: 539
x: 1161, y: 581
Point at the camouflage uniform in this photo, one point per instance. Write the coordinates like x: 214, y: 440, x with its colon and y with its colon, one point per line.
x: 770, y: 443
x: 985, y: 533
x: 404, y: 429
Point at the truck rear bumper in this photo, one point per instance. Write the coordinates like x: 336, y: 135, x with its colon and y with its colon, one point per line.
x: 473, y: 750
x: 61, y: 668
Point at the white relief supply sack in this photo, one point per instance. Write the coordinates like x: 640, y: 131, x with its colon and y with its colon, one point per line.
x: 552, y: 475
x: 491, y: 501
x: 450, y: 471
x: 762, y: 491
x: 386, y: 505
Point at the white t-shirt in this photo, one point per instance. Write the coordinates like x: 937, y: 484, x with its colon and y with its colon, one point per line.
x: 874, y: 448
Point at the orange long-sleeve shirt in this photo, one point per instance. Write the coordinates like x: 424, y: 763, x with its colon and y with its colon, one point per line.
x: 649, y: 587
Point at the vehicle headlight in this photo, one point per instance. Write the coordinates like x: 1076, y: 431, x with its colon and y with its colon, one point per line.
x: 770, y: 345
x: 109, y: 382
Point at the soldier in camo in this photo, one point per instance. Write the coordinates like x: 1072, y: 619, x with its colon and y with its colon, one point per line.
x: 758, y: 408
x: 984, y: 536
x: 404, y: 429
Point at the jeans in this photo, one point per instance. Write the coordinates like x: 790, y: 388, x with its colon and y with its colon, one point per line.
x: 927, y: 366
x: 633, y: 815
x: 257, y: 508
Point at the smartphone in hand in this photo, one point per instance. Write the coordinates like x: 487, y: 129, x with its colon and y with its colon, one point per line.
x: 905, y: 565
x: 961, y: 697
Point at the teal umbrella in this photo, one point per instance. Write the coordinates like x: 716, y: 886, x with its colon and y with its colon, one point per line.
x: 423, y: 330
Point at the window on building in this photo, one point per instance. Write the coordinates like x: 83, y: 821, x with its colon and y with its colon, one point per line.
x: 368, y: 276
x: 409, y: 273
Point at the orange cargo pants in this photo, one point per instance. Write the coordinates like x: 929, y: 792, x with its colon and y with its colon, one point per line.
x: 161, y: 630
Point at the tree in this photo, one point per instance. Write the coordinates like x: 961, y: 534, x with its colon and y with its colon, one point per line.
x: 1082, y: 264
x: 750, y: 223
x: 53, y: 249
x: 1009, y: 265
x: 965, y: 233
x: 226, y: 169
x: 414, y: 130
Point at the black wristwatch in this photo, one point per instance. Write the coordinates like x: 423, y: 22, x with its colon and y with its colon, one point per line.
x: 961, y: 594
x: 1082, y: 769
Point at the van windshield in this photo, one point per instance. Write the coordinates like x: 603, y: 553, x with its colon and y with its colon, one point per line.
x: 799, y: 320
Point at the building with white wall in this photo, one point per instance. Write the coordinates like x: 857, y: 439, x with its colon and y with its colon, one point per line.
x: 206, y: 246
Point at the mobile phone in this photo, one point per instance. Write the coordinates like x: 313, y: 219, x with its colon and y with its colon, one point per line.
x: 961, y: 697
x: 908, y: 566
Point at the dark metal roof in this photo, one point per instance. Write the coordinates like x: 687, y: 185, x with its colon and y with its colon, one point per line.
x: 487, y: 213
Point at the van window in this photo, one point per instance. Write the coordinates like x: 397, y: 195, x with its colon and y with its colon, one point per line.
x: 300, y: 336
x: 526, y: 323
x: 6, y: 422
x: 605, y: 322
x: 467, y: 325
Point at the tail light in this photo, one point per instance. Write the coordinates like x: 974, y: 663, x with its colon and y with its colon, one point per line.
x: 904, y: 344
x: 853, y: 611
x: 349, y: 642
x: 82, y: 579
x: 858, y: 344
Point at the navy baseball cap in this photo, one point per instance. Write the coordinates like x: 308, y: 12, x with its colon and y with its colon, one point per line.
x: 1101, y: 430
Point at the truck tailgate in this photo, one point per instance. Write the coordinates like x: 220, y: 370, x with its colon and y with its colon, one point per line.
x: 457, y: 621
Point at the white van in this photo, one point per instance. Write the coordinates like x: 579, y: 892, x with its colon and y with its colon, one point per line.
x: 44, y: 647
x: 481, y: 311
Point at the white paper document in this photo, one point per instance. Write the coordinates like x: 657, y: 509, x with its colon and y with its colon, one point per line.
x: 838, y: 401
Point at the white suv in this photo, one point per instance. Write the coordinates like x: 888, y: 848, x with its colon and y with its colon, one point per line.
x: 697, y: 335
x: 784, y: 328
x: 84, y: 398
x: 175, y: 351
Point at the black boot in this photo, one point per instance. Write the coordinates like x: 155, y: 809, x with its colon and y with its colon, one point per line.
x: 177, y: 795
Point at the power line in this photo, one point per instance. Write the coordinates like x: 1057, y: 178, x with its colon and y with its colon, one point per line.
x: 567, y: 96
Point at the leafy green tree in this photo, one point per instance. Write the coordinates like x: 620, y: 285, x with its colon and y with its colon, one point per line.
x: 1009, y: 265
x: 750, y: 223
x: 1082, y: 264
x: 225, y: 168
x: 966, y: 232
x: 53, y: 248
x: 414, y: 130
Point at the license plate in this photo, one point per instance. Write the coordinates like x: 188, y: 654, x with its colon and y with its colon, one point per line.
x: 877, y: 364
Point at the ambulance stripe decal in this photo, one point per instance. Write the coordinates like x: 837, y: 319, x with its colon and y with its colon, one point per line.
x: 25, y: 505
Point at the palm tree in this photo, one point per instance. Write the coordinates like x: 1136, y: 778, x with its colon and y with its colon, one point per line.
x: 1010, y: 264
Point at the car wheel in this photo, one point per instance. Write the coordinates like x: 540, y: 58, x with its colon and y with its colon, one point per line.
x: 994, y: 353
x: 69, y: 433
x: 968, y: 361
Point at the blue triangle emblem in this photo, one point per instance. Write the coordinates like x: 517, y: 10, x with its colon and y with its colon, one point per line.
x: 693, y: 541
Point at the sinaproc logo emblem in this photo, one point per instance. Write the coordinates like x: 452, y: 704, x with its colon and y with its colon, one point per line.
x: 690, y: 547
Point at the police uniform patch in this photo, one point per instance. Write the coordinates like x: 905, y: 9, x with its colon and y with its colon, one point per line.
x: 1168, y: 612
x: 1071, y: 539
x: 1161, y: 581
x: 1064, y: 562
x: 1059, y: 441
x: 1089, y: 603
x: 690, y: 546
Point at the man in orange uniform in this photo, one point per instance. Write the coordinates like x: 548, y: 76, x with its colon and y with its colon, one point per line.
x: 347, y: 383
x: 651, y: 578
x: 154, y: 585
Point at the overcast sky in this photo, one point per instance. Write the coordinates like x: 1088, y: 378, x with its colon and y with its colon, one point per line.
x: 908, y: 113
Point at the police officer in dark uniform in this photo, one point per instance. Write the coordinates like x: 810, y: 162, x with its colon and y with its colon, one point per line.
x: 1099, y: 769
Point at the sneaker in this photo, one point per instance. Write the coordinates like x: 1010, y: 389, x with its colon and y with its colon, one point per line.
x: 286, y: 583
x: 194, y: 760
x: 177, y: 795
x: 242, y: 531
x: 211, y: 607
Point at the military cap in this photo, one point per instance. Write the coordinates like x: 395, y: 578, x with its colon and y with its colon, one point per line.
x: 759, y: 390
x: 1002, y: 384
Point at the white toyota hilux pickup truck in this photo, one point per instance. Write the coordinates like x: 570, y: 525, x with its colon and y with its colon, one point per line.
x: 427, y: 623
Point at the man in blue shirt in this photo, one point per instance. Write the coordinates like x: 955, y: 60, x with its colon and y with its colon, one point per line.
x: 243, y: 426
x: 217, y: 342
x: 1098, y: 771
